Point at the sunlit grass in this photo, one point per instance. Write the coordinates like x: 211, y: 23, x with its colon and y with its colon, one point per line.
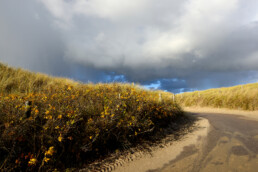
x: 68, y: 123
x: 242, y: 97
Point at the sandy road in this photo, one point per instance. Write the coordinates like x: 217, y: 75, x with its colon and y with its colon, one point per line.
x: 223, y: 143
x: 231, y: 145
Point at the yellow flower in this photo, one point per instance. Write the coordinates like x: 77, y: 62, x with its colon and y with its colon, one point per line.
x: 45, y: 127
x: 135, y: 133
x: 36, y: 111
x: 60, y: 138
x: 90, y: 120
x: 48, y: 117
x: 47, y: 112
x: 69, y: 115
x: 32, y: 161
x: 50, y: 151
x: 46, y: 159
x: 90, y: 137
x: 17, y: 161
x: 59, y: 116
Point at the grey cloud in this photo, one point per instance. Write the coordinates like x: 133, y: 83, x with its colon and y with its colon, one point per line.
x: 29, y: 39
x: 201, y: 43
x: 26, y: 36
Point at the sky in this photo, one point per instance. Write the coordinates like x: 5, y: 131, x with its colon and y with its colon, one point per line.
x: 174, y: 45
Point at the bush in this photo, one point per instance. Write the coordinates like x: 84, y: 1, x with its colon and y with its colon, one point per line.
x: 68, y: 125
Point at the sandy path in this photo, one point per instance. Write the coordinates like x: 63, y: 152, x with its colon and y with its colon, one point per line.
x: 159, y: 157
x: 223, y: 142
x: 231, y: 145
x: 247, y: 114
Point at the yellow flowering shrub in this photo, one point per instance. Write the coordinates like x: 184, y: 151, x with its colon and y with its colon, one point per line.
x: 67, y: 124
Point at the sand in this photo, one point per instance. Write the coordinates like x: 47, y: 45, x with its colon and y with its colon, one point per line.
x: 245, y: 114
x: 161, y: 155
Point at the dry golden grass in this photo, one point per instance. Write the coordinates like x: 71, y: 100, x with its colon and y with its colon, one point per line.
x: 69, y: 124
x: 21, y: 81
x: 242, y: 97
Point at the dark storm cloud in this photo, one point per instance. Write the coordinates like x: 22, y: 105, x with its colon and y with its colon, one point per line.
x: 193, y: 44
x: 173, y: 85
x: 26, y: 36
x: 29, y: 39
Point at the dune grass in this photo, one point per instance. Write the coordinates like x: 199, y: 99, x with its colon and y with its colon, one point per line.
x: 22, y: 81
x: 241, y: 97
x: 69, y: 124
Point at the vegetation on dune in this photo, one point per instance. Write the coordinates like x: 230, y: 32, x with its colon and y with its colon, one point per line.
x: 67, y: 124
x: 242, y: 97
x: 21, y: 81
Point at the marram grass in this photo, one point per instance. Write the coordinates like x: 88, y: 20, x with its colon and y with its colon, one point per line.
x: 68, y: 124
x: 242, y: 97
